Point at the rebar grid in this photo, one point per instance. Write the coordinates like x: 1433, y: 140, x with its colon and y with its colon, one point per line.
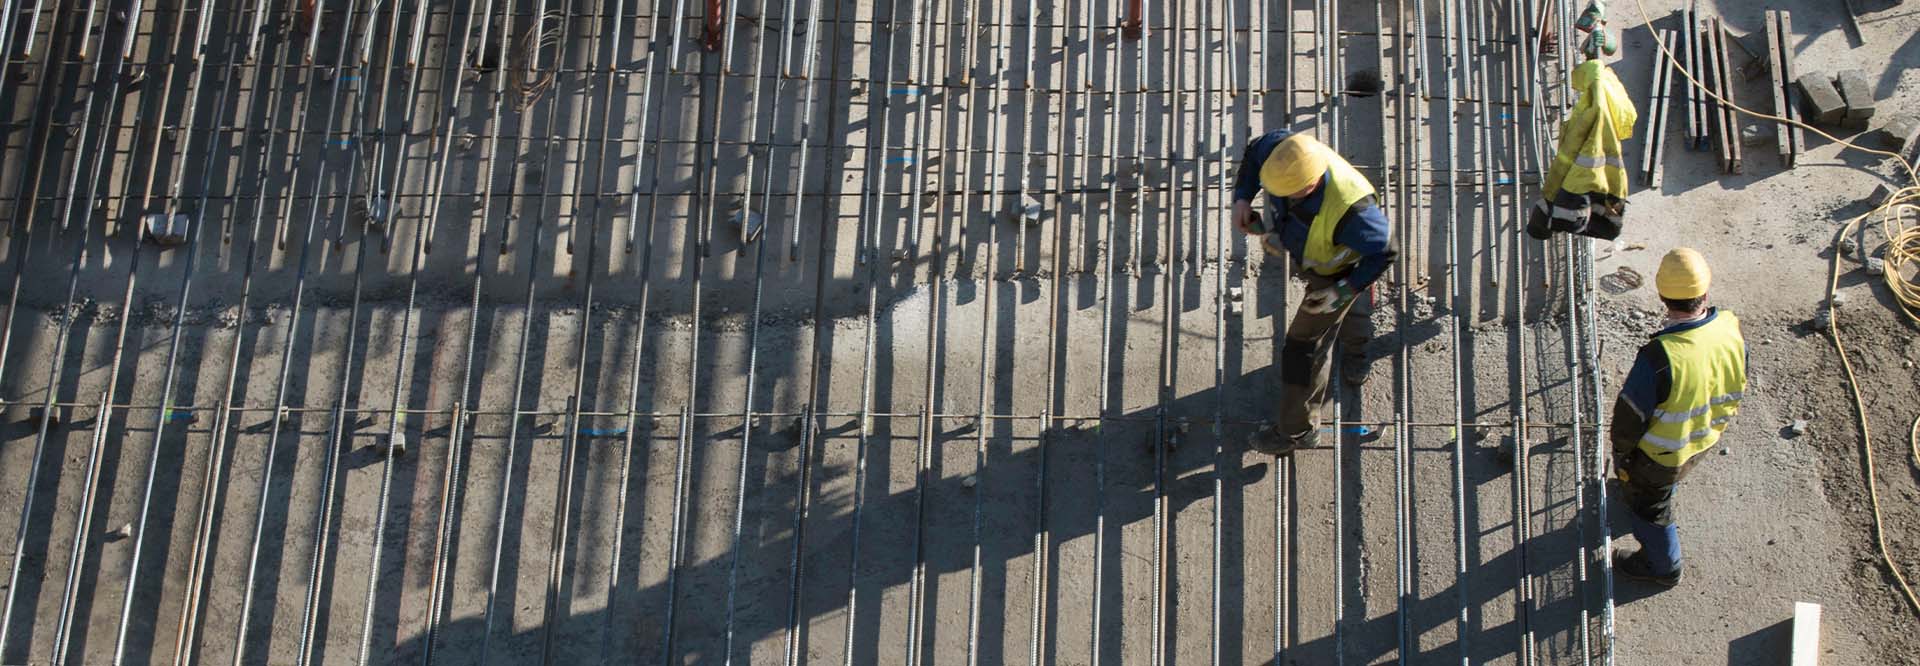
x: 1135, y: 161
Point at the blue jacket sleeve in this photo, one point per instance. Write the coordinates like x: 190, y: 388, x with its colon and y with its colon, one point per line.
x: 1365, y: 230
x: 1646, y: 383
x: 1246, y: 186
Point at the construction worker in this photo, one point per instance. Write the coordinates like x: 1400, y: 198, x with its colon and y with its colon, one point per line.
x: 1320, y: 212
x: 1586, y: 188
x: 1685, y: 386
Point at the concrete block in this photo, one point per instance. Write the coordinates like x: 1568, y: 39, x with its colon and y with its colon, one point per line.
x: 1901, y: 133
x: 1857, y: 94
x: 1824, y: 103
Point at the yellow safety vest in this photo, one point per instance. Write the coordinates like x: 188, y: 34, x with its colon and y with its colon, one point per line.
x: 1344, y: 187
x: 1709, y: 368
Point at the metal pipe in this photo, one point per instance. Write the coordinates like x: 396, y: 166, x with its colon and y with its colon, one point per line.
x: 457, y: 428
x: 747, y: 425
x: 870, y: 216
x: 916, y: 614
x: 1522, y: 478
x: 809, y: 425
x: 556, y: 604
x: 1109, y: 247
x: 406, y: 324
x: 186, y: 639
x: 985, y: 284
x: 339, y: 436
x: 173, y: 347
x: 639, y: 344
x: 1450, y: 19
x: 526, y: 326
x: 57, y: 363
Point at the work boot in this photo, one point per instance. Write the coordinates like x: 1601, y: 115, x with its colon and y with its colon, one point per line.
x: 1634, y: 566
x: 1355, y: 369
x: 1271, y: 442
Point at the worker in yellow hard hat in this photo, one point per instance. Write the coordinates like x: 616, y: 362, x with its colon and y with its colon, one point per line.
x: 1586, y: 188
x: 1321, y: 213
x: 1684, y: 388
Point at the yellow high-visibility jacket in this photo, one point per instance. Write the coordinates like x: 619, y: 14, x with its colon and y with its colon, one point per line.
x: 1709, y: 368
x: 1590, y: 158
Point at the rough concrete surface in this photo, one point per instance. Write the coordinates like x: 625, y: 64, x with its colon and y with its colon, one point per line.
x: 905, y: 423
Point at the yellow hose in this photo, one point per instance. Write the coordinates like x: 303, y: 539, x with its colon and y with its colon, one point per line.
x: 1902, y: 251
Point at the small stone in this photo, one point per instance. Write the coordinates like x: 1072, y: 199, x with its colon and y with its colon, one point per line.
x: 1798, y: 427
x: 1880, y: 194
x: 125, y: 530
x: 1848, y: 247
x: 1766, y: 341
x: 1755, y: 135
x: 970, y: 481
x: 1822, y: 320
x: 1907, y: 365
x: 1901, y: 133
x: 1839, y: 299
x: 1876, y: 266
x: 398, y: 447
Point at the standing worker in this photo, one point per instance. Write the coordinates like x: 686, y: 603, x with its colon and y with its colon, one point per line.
x: 1321, y: 211
x: 1684, y: 387
x: 1586, y: 188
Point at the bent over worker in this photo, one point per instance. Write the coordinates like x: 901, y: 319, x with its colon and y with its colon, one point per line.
x: 1685, y: 386
x: 1320, y: 212
x: 1586, y: 188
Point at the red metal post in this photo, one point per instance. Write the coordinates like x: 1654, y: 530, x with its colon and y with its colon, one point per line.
x: 716, y: 22
x: 1132, y: 25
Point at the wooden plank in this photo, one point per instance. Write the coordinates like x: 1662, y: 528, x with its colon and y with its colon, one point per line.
x: 1689, y: 42
x: 1658, y: 112
x: 1806, y: 634
x: 1797, y: 138
x: 1775, y: 67
x: 1717, y: 83
x: 1730, y: 119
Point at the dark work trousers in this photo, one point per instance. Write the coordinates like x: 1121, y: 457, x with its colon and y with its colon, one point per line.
x: 1307, y: 353
x: 1648, y: 494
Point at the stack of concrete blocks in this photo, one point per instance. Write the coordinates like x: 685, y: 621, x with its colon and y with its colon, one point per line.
x: 1824, y: 103
x: 1845, y: 99
x: 1858, y: 95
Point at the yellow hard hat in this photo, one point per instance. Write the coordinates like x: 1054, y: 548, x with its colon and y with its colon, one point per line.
x: 1294, y: 165
x: 1683, y: 274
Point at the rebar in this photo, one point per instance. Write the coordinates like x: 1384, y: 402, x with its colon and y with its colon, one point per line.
x: 460, y: 416
x: 527, y: 311
x: 58, y: 362
x: 1450, y: 20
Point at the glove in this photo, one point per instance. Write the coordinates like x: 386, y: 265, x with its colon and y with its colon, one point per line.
x: 1328, y: 299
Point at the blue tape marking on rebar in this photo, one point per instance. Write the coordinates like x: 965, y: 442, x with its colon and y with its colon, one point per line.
x: 904, y: 91
x: 1351, y: 430
x: 179, y: 415
x: 1503, y: 180
x: 900, y: 160
x: 599, y: 432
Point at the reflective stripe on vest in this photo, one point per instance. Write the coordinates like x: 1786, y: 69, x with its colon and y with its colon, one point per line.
x: 1709, y: 368
x: 1344, y: 188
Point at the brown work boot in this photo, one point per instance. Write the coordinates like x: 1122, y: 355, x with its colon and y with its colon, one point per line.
x: 1271, y: 442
